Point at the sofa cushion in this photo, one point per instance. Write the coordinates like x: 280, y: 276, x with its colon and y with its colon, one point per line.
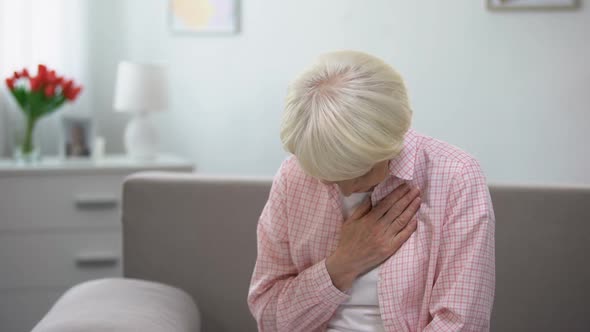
x: 122, y: 305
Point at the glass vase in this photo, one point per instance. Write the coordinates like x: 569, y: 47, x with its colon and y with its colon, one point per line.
x: 27, y: 150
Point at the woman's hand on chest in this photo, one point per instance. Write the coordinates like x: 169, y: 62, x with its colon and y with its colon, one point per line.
x: 371, y: 235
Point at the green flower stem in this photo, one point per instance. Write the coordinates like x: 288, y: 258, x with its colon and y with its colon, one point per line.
x: 27, y: 147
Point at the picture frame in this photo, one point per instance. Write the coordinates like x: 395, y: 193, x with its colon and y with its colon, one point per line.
x: 76, y: 137
x: 204, y: 17
x: 532, y: 5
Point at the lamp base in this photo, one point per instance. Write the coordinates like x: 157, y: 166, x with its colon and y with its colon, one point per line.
x: 141, y: 137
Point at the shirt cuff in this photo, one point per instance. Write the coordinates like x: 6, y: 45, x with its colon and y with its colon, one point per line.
x: 326, y: 290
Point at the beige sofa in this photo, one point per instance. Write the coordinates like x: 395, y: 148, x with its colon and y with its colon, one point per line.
x: 198, y: 233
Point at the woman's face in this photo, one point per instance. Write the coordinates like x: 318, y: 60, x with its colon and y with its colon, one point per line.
x: 364, y: 183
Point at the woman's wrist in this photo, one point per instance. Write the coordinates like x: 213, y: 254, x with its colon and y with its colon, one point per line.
x: 342, y: 276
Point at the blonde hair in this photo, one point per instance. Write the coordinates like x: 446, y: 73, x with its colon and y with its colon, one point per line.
x: 344, y: 114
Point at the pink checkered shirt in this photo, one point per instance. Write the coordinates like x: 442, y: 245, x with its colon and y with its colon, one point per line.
x: 441, y: 279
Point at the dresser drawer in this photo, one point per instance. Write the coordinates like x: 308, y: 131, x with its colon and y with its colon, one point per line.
x: 58, y: 259
x: 21, y: 311
x: 60, y: 200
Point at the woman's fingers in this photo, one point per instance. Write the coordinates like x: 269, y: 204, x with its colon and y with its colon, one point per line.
x: 362, y: 209
x: 387, y: 202
x: 400, y: 206
x: 404, y: 218
x: 400, y: 238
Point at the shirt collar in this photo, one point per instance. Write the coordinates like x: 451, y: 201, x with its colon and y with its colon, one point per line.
x: 402, y: 166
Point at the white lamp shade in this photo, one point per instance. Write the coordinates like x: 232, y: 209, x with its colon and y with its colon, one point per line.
x: 141, y: 88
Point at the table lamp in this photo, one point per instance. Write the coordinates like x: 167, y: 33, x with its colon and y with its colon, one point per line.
x: 141, y: 89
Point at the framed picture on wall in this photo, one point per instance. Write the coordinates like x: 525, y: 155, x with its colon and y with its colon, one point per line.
x: 204, y: 16
x: 533, y: 4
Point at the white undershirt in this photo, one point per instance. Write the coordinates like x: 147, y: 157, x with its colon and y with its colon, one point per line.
x: 361, y: 311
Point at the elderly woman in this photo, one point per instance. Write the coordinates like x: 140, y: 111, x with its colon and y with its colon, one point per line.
x: 370, y: 226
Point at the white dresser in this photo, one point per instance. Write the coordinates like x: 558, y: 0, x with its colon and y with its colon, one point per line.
x: 59, y: 226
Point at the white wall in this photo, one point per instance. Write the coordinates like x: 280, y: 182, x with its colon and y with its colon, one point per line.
x: 511, y: 88
x: 106, y: 25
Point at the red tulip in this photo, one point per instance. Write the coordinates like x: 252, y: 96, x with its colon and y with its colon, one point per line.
x: 58, y: 80
x: 67, y: 85
x: 16, y: 75
x: 49, y: 91
x: 72, y: 93
x: 35, y: 83
x: 10, y: 83
x: 78, y: 91
x: 25, y: 73
x: 42, y: 72
x: 51, y: 77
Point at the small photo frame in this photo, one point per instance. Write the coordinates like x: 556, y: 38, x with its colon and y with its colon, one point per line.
x: 507, y: 5
x: 204, y: 16
x: 77, y: 136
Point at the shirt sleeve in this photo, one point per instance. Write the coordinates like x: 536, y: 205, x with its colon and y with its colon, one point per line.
x: 463, y: 292
x: 281, y: 297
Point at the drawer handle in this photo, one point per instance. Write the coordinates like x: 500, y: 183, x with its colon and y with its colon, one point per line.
x: 97, y: 259
x: 86, y: 201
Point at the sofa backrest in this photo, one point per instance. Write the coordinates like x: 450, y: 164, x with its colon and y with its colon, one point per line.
x: 542, y: 258
x: 199, y: 233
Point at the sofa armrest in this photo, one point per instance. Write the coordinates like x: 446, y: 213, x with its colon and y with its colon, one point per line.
x: 122, y: 305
